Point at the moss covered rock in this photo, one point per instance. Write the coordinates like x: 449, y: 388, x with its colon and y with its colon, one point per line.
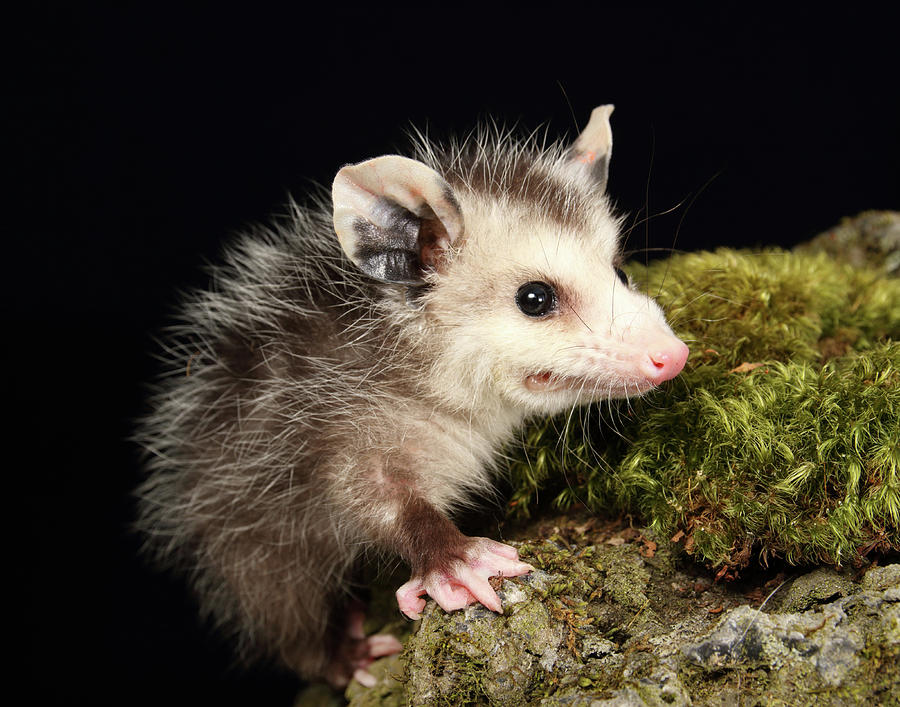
x: 870, y: 239
x: 625, y: 623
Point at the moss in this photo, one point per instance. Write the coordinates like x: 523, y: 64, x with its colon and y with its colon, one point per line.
x: 626, y: 579
x: 780, y: 438
x: 389, y: 690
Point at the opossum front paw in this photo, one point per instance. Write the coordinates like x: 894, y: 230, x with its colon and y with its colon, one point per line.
x: 463, y: 580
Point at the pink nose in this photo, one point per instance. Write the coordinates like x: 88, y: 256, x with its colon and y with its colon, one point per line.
x: 665, y: 359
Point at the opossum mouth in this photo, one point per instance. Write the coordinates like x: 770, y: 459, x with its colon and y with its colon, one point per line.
x: 547, y: 382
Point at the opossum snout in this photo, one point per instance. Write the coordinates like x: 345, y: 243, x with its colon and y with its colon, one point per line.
x: 665, y: 358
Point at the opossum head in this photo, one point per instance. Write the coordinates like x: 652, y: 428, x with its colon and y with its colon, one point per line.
x: 516, y: 250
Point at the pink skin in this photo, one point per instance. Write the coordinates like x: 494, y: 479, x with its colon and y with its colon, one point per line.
x: 377, y: 647
x: 663, y: 359
x: 465, y: 580
x: 359, y: 652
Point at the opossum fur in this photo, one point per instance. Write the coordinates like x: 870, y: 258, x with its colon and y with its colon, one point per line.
x: 347, y: 380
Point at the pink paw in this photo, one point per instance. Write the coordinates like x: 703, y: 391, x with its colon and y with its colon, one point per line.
x: 358, y: 652
x: 377, y: 647
x: 465, y: 580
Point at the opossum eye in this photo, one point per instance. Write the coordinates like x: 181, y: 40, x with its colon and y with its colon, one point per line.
x: 536, y: 299
x: 622, y: 276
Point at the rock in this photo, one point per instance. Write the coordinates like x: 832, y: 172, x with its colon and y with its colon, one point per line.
x: 871, y: 238
x: 882, y: 578
x: 817, y: 587
x: 600, y: 625
x: 840, y: 644
x: 388, y: 691
x: 318, y: 695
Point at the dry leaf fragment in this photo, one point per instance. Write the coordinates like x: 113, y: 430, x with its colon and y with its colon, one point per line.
x: 746, y: 367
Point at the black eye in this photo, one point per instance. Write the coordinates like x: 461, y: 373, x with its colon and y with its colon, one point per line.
x: 536, y: 298
x: 622, y: 276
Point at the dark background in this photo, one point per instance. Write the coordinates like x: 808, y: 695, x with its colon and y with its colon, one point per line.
x: 142, y: 138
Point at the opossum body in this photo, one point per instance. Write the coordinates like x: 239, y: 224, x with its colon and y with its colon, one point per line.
x: 347, y: 382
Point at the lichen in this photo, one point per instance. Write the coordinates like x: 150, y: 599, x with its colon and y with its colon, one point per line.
x: 837, y: 653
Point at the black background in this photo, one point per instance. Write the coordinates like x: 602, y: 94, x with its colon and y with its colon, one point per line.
x: 143, y: 137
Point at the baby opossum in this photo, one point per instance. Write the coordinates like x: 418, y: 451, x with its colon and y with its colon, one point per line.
x: 349, y: 378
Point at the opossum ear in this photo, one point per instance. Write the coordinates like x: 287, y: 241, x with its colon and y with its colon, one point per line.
x: 395, y: 218
x: 593, y: 148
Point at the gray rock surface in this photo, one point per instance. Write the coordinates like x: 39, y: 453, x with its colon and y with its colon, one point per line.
x: 617, y: 625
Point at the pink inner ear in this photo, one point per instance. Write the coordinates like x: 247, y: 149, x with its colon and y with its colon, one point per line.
x: 359, y: 193
x: 595, y: 140
x: 434, y: 242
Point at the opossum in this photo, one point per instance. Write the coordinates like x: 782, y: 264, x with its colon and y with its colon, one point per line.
x: 346, y: 384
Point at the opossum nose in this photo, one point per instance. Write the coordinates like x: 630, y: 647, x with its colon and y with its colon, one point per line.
x: 665, y: 359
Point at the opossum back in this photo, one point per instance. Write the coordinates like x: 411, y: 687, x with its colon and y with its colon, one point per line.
x: 255, y: 363
x: 257, y: 371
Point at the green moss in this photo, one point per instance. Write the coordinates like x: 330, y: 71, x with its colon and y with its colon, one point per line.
x: 626, y: 579
x: 782, y: 435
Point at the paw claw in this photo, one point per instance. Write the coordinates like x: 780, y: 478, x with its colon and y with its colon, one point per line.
x: 408, y: 598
